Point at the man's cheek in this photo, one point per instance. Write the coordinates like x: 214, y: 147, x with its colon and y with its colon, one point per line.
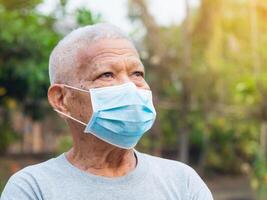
x: 85, y: 109
x: 79, y: 107
x: 87, y: 114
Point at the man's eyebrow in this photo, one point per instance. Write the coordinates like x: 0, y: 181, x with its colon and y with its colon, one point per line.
x: 138, y: 64
x: 102, y: 65
x: 135, y: 61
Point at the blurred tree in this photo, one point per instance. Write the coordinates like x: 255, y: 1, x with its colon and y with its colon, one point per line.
x: 26, y: 40
x: 215, y: 55
x: 22, y: 5
x: 86, y: 17
x: 156, y: 51
x: 25, y: 45
x: 24, y: 50
x: 186, y: 86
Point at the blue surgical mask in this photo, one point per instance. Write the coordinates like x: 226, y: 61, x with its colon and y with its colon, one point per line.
x: 121, y: 114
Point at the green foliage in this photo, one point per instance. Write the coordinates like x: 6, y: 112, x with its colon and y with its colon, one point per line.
x: 26, y: 41
x: 25, y: 45
x: 21, y: 5
x: 231, y: 145
x: 226, y: 79
x: 7, y: 136
x: 259, y: 180
x: 86, y: 17
x: 225, y: 82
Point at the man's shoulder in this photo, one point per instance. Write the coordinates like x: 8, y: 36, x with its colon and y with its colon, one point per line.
x: 24, y: 184
x: 171, y: 169
x: 180, y: 174
x: 35, y: 171
x: 165, y: 163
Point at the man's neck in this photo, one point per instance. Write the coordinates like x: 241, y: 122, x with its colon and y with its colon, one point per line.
x: 94, y: 156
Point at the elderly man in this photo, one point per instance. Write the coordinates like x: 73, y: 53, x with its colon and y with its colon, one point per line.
x: 98, y: 86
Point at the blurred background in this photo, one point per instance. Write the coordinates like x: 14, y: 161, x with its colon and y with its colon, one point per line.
x: 206, y: 65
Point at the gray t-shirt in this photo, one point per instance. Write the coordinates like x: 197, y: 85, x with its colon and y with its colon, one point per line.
x: 153, y: 178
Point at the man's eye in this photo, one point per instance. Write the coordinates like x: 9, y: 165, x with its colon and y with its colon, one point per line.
x: 138, y: 74
x: 106, y: 75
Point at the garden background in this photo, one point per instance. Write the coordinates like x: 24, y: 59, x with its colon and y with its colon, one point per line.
x: 207, y: 72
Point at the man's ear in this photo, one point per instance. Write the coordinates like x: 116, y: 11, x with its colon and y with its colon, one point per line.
x: 56, y: 97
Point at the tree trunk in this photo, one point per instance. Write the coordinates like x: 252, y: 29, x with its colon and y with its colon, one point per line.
x: 27, y: 135
x: 263, y: 137
x: 186, y: 93
x: 157, y: 50
x: 37, y: 137
x: 254, y: 29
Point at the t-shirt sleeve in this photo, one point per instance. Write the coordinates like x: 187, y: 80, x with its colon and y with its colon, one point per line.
x: 198, y: 190
x: 22, y: 186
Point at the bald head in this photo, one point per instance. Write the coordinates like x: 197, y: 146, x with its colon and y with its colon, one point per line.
x: 65, y: 56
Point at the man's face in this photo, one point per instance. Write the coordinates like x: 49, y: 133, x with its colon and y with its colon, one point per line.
x: 105, y: 63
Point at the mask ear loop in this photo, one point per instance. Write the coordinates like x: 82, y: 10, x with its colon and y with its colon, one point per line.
x: 70, y: 117
x: 81, y: 90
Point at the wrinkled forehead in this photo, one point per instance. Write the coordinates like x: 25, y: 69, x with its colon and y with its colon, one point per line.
x: 111, y: 48
x: 105, y: 53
